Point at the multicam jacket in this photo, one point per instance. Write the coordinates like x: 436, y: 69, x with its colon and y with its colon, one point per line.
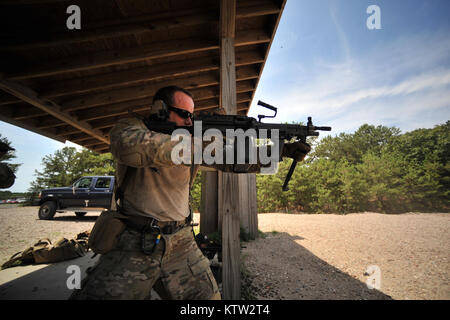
x: 156, y: 187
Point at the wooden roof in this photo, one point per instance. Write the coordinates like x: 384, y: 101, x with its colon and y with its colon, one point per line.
x: 75, y: 84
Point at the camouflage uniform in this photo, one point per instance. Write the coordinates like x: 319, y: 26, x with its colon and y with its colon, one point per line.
x: 158, y: 189
x: 176, y: 269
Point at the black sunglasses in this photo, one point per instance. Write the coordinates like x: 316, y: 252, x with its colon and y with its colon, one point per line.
x: 182, y: 113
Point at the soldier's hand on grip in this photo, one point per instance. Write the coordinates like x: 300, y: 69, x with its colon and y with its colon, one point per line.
x: 296, y: 150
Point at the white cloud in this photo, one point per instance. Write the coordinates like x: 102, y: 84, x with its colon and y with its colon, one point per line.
x: 396, y: 84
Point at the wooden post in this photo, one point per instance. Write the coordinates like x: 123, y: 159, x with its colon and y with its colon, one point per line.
x: 208, y: 204
x: 229, y: 186
x: 248, y: 214
x: 229, y: 200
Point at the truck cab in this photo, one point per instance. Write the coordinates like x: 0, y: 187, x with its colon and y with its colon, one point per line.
x: 89, y: 193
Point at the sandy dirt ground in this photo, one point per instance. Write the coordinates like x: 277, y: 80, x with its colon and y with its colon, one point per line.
x: 328, y: 256
x: 304, y: 256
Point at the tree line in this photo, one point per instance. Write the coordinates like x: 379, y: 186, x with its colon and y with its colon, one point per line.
x: 376, y: 168
x: 67, y: 165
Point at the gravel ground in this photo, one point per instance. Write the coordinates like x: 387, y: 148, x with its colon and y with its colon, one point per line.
x: 326, y: 256
x: 303, y: 256
x: 20, y: 227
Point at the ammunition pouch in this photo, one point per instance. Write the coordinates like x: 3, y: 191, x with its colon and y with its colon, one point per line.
x: 106, y: 231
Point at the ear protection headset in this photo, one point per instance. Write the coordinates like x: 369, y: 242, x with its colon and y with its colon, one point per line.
x: 159, y: 110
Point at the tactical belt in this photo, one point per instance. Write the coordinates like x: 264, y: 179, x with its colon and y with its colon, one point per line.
x: 144, y: 224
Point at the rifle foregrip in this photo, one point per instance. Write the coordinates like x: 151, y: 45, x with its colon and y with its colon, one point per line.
x: 289, y: 175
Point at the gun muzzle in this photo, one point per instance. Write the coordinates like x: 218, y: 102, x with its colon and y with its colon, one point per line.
x: 322, y: 128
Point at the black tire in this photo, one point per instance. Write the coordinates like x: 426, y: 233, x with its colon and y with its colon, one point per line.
x: 80, y: 214
x: 47, y: 210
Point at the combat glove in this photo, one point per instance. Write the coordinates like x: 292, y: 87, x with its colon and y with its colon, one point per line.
x: 295, y: 150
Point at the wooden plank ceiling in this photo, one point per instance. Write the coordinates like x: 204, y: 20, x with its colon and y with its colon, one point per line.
x: 75, y: 84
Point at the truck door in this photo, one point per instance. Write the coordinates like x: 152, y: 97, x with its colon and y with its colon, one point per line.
x: 101, y: 193
x: 82, y: 192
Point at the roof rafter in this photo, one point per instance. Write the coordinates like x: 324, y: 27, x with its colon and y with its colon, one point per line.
x: 31, y: 97
x: 116, y: 57
x: 134, y: 76
x: 159, y: 22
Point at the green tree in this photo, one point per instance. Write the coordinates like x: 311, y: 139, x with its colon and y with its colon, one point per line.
x: 67, y: 165
x: 10, y: 155
x: 352, y: 147
x: 426, y: 153
x: 375, y: 168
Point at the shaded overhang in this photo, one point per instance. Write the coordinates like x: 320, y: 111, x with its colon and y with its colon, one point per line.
x: 76, y: 84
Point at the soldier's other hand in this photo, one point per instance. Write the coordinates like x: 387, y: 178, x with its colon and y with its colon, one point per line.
x: 296, y: 150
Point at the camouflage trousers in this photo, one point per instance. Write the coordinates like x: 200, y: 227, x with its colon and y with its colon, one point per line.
x: 176, y: 269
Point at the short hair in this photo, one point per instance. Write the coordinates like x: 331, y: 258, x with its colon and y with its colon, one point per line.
x: 166, y: 94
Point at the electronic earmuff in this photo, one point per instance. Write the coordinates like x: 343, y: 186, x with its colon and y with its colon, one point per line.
x: 159, y: 110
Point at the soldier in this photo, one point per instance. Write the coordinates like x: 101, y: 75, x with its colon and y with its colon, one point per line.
x: 7, y: 176
x: 157, y: 249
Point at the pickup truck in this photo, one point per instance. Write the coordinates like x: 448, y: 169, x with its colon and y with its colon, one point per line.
x: 90, y: 193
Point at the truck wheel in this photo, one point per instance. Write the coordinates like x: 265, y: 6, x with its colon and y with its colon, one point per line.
x: 47, y: 210
x: 80, y: 214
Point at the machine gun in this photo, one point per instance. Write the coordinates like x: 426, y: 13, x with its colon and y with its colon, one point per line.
x: 235, y: 122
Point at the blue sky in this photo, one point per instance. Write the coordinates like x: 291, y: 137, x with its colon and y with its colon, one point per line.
x: 325, y: 63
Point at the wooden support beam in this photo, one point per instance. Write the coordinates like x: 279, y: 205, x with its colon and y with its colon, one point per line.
x: 138, y: 106
x: 228, y: 200
x: 129, y: 77
x: 244, y: 89
x: 31, y: 127
x: 115, y: 57
x: 92, y: 143
x: 251, y: 37
x: 165, y: 71
x: 208, y: 203
x: 137, y: 25
x: 206, y: 79
x: 248, y: 204
x: 124, y: 56
x: 79, y: 138
x: 154, y: 23
x: 139, y: 92
x: 31, y: 97
x: 228, y: 186
x: 101, y: 149
x: 254, y: 9
x: 199, y: 94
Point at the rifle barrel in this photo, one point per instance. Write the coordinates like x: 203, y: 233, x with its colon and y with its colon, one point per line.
x: 323, y: 128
